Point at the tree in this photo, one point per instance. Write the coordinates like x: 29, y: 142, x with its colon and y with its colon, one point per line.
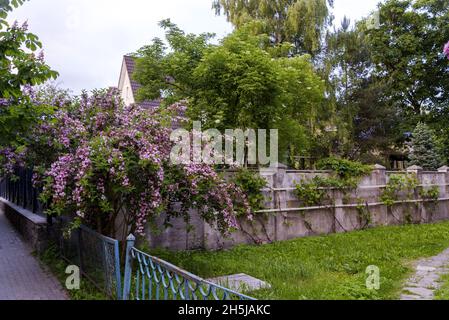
x: 367, y: 124
x: 424, y: 149
x: 170, y: 73
x: 406, y: 50
x: 241, y: 83
x: 300, y: 22
x: 20, y: 69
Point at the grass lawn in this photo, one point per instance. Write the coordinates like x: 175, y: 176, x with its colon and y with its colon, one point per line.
x: 443, y: 292
x: 327, y: 267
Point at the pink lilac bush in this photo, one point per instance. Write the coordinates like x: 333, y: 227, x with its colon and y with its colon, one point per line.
x: 102, y: 160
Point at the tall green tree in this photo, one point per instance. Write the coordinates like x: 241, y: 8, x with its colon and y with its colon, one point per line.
x: 424, y: 148
x: 367, y: 124
x: 300, y: 22
x: 166, y: 68
x: 406, y: 50
x: 20, y: 67
x: 241, y: 83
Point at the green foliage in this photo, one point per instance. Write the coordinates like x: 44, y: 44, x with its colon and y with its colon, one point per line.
x: 170, y: 70
x: 8, y: 5
x: 424, y: 151
x: 381, y: 81
x: 325, y: 267
x: 238, y: 86
x: 251, y: 183
x: 398, y: 186
x: 430, y: 194
x: 311, y: 193
x: 344, y: 168
x: 19, y: 68
x: 443, y: 292
x: 364, y: 213
x: 240, y: 83
x: 364, y: 120
x: 345, y: 177
x: 301, y: 22
x: 406, y: 49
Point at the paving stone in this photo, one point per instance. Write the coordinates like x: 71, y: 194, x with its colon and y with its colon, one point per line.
x: 21, y: 275
x: 241, y: 282
x: 423, y: 284
x: 422, y: 292
x: 426, y: 269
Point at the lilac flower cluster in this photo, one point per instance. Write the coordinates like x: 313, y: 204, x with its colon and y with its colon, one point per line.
x: 23, y: 27
x: 11, y: 159
x: 446, y: 50
x: 4, y: 102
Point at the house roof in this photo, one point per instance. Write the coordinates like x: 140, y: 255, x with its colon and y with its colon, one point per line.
x: 130, y: 64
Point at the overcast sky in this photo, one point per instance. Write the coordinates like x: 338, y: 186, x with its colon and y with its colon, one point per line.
x: 84, y: 40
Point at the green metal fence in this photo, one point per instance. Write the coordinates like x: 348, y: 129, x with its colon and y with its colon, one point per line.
x: 156, y: 279
x: 96, y: 255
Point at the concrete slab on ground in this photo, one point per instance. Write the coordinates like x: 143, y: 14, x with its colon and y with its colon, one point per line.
x: 241, y: 282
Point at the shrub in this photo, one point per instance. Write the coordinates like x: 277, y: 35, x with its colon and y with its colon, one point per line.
x: 343, y: 168
x: 99, y: 159
x: 251, y: 184
x: 424, y: 151
x: 398, y: 184
x: 345, y: 177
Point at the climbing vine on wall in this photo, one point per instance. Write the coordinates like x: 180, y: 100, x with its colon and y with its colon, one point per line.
x: 431, y: 194
x: 399, y: 186
x: 345, y: 176
x: 364, y: 214
x: 252, y: 183
x: 430, y: 197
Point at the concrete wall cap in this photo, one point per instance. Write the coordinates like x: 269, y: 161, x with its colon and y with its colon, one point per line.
x: 414, y: 168
x: 278, y: 165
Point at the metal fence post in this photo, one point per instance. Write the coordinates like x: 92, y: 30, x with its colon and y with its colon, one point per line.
x: 130, y: 241
x: 118, y: 275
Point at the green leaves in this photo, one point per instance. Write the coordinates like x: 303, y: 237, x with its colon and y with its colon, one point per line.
x: 240, y: 83
x: 345, y: 169
x: 19, y: 67
x: 300, y: 22
x: 251, y: 184
x: 8, y: 5
x: 406, y: 49
x: 170, y: 72
x: 398, y: 186
x: 345, y: 177
x: 424, y: 147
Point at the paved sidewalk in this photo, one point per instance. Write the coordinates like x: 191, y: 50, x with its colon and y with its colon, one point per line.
x: 21, y: 275
x: 425, y: 281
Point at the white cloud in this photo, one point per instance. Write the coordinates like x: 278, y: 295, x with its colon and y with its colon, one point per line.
x: 85, y: 39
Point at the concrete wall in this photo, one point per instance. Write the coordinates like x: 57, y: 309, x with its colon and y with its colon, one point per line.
x: 33, y: 228
x: 286, y: 219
